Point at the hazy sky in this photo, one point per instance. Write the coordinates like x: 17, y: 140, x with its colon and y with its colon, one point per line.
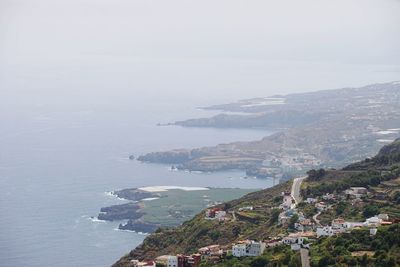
x: 227, y: 48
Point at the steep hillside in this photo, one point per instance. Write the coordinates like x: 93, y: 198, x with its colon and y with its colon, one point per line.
x: 387, y: 156
x: 260, y: 223
x: 200, y: 232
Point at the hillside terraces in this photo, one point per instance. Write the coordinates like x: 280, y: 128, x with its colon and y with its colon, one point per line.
x: 325, y: 128
x: 336, y: 202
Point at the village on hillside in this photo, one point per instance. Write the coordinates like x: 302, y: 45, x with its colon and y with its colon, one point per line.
x: 304, y: 232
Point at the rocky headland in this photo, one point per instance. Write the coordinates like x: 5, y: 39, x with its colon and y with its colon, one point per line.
x: 120, y: 212
x: 163, y: 206
x: 329, y: 128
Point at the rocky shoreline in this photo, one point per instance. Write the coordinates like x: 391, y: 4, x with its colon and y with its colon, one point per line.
x: 120, y: 212
x: 139, y: 226
x: 134, y: 194
x: 131, y: 211
x: 164, y: 206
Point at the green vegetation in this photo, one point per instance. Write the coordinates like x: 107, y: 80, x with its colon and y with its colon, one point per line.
x: 389, y: 155
x: 368, y: 173
x: 370, y: 210
x: 358, y: 248
x: 292, y: 221
x: 199, y: 232
x: 315, y: 175
x: 274, y: 216
x: 368, y: 178
x: 277, y: 256
x: 177, y: 206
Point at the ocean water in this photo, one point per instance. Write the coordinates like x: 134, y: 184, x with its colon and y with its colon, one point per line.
x: 84, y: 83
x: 57, y: 165
x: 68, y: 125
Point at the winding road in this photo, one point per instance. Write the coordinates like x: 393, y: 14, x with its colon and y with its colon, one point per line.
x: 315, y: 218
x: 304, y: 253
x: 296, y: 190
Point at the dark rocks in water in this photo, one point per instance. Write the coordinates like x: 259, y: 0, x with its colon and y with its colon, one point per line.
x: 134, y: 194
x: 139, y: 226
x: 131, y: 157
x: 120, y: 212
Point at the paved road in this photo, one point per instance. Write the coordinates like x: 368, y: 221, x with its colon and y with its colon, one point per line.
x: 296, y: 189
x: 315, y: 218
x: 305, y: 257
x: 234, y: 216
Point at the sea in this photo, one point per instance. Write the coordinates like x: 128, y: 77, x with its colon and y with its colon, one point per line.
x: 68, y: 127
x: 58, y: 167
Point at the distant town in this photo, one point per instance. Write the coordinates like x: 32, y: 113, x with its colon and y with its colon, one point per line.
x: 329, y: 128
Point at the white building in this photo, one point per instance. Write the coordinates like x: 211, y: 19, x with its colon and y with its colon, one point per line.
x: 356, y: 191
x: 288, y: 240
x: 329, y: 231
x: 256, y: 248
x: 136, y: 263
x: 220, y: 215
x: 246, y: 208
x: 351, y: 225
x: 287, y: 201
x: 295, y: 247
x: 373, y: 231
x: 321, y: 206
x: 311, y: 200
x: 359, y: 190
x: 328, y: 196
x: 172, y: 261
x: 215, y: 214
x: 383, y: 217
x: 373, y: 221
x: 239, y: 250
x: 248, y: 248
x: 339, y: 223
x: 295, y: 242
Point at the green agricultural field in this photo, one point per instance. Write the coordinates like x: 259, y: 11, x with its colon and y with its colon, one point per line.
x: 176, y: 206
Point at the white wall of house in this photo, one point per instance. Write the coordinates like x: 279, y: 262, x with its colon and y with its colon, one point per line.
x: 172, y: 261
x: 239, y: 250
x: 251, y: 248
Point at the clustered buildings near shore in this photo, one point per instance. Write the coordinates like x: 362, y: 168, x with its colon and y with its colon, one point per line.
x: 305, y: 231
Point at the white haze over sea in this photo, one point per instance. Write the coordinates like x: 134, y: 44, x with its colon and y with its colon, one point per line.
x: 84, y: 83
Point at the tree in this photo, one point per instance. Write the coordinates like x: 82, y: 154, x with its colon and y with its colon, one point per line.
x: 259, y: 262
x: 370, y: 210
x: 274, y: 216
x: 293, y: 220
x: 316, y: 175
x: 364, y: 260
x: 340, y: 207
x: 236, y: 230
x: 215, y: 234
x: 295, y: 261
